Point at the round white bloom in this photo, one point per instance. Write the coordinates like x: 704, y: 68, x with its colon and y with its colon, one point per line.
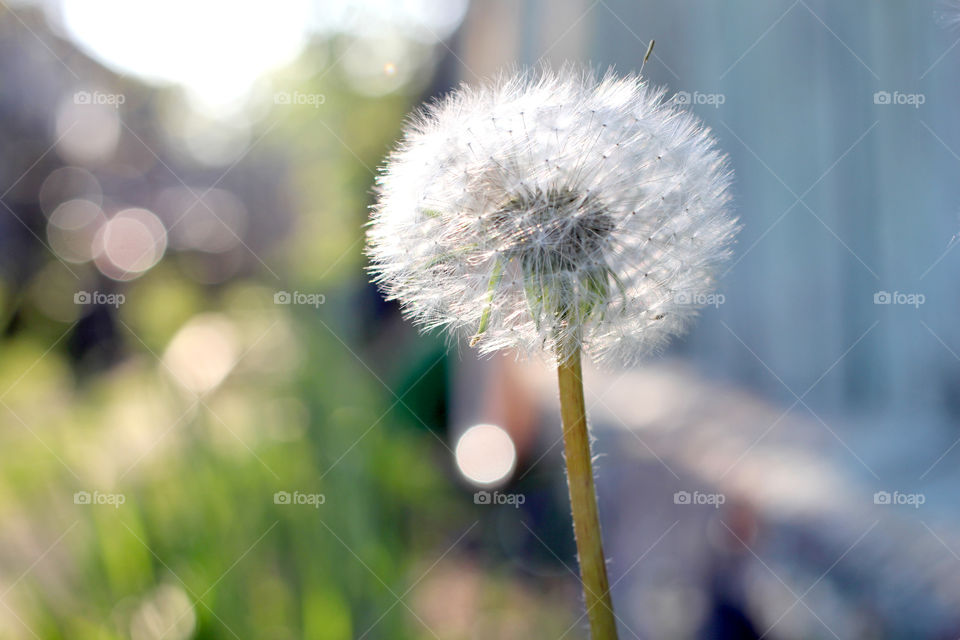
x: 554, y: 210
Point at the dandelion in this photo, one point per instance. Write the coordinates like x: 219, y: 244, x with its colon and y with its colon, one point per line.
x: 556, y: 213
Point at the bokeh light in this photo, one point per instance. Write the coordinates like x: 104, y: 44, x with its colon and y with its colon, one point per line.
x: 72, y: 228
x: 129, y: 243
x: 485, y: 454
x: 68, y: 183
x: 166, y: 613
x: 425, y: 20
x: 87, y: 134
x: 202, y: 353
x: 216, y: 49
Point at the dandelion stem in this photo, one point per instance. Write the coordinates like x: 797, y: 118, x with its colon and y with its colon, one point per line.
x: 583, y: 500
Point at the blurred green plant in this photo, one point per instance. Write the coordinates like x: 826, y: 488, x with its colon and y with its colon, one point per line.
x: 198, y: 545
x: 199, y: 531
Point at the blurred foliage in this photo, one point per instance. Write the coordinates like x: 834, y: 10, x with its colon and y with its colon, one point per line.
x: 198, y: 547
x: 199, y: 475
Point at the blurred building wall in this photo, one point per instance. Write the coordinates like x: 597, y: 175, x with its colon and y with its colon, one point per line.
x: 840, y: 197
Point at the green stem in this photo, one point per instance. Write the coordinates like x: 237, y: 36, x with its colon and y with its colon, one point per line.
x: 583, y: 500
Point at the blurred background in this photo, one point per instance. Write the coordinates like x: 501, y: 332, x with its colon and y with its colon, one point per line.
x: 214, y: 427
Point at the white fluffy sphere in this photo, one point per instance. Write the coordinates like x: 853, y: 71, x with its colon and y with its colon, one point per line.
x: 549, y: 211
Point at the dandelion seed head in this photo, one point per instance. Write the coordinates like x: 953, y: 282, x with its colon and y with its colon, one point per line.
x: 549, y: 211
